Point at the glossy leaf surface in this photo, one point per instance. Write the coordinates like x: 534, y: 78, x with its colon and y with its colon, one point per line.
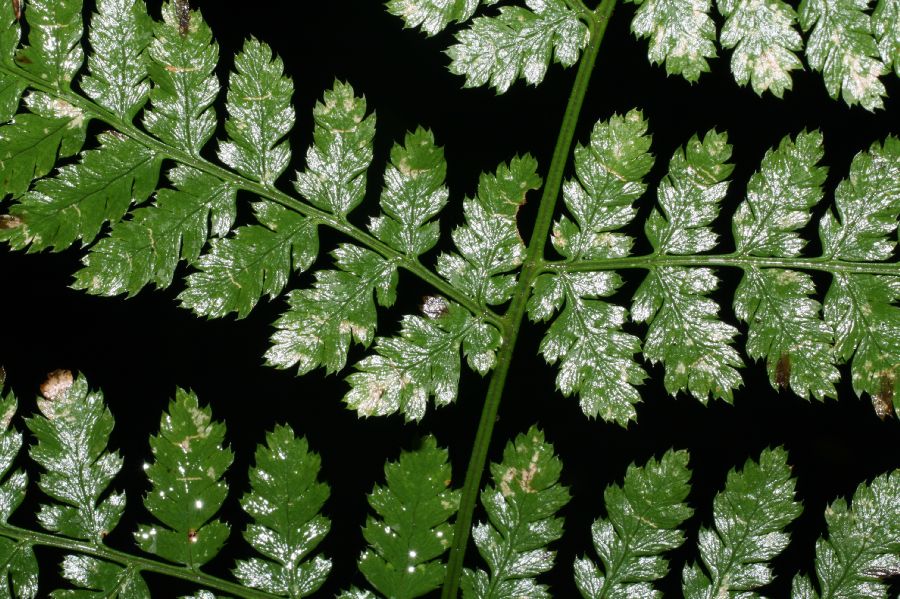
x: 750, y: 516
x: 411, y: 531
x: 285, y: 501
x: 521, y: 506
x: 489, y: 243
x: 54, y: 51
x: 518, y: 42
x: 643, y: 516
x: 72, y: 432
x: 681, y: 33
x: 422, y: 362
x: 339, y: 308
x: 433, y: 16
x: 95, y: 579
x: 187, y: 487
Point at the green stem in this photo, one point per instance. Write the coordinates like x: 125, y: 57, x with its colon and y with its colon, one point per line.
x: 531, y: 268
x: 727, y: 260
x: 132, y: 561
x: 320, y: 216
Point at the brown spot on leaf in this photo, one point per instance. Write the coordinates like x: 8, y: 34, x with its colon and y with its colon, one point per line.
x: 883, y: 401
x: 17, y: 9
x: 57, y: 383
x: 183, y: 8
x: 8, y: 221
x: 192, y: 535
x: 22, y: 58
x: 783, y: 371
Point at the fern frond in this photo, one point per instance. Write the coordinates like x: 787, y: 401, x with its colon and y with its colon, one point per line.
x: 521, y: 506
x: 750, y: 516
x: 863, y: 544
x: 433, y: 16
x: 96, y: 578
x: 681, y: 32
x: 187, y: 487
x: 411, y: 532
x: 643, y: 516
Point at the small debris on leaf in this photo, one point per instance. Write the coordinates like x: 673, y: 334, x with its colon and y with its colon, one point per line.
x: 434, y: 306
x: 57, y: 383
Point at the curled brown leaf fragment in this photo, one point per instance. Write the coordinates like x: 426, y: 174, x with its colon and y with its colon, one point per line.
x: 8, y: 221
x: 783, y: 371
x: 57, y: 383
x: 17, y: 9
x: 883, y: 401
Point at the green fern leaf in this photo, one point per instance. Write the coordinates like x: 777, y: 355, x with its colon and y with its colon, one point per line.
x: 489, y: 242
x: 148, y: 247
x: 863, y: 544
x: 32, y: 141
x: 414, y: 193
x: 260, y: 115
x: 285, y: 502
x: 841, y: 46
x: 184, y: 83
x: 119, y: 66
x: 335, y: 178
x: 355, y: 593
x: 750, y: 516
x: 54, y: 52
x: 72, y: 433
x: 681, y: 33
x: 97, y: 579
x: 423, y: 362
x: 257, y: 261
x: 187, y: 486
x: 321, y: 322
x: 18, y: 564
x: 521, y: 506
x: 11, y: 87
x: 596, y: 357
x: 519, y: 42
x: 886, y: 27
x: 412, y: 531
x: 642, y: 523
x: 610, y: 175
x: 206, y: 595
x: 433, y: 16
x: 763, y: 36
x: 77, y: 202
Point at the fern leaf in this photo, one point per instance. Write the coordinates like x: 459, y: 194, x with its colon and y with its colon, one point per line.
x: 98, y: 579
x: 54, y: 52
x: 260, y: 115
x: 11, y: 87
x: 321, y: 322
x: 32, y: 141
x: 689, y: 197
x: 355, y: 593
x: 148, y: 247
x: 411, y: 532
x: 681, y: 33
x: 119, y: 66
x: 414, y: 193
x: 863, y: 544
x: 886, y: 27
x: 750, y: 516
x: 867, y: 206
x: 841, y: 46
x: 256, y: 261
x: 489, y: 242
x: 184, y: 82
x: 521, y: 506
x: 335, y: 177
x: 81, y: 198
x: 18, y: 564
x: 519, y: 42
x: 596, y: 357
x: 72, y: 433
x: 433, y: 16
x: 187, y: 486
x: 285, y: 502
x: 779, y: 198
x: 643, y: 516
x: 422, y: 362
x: 610, y: 175
x: 763, y: 36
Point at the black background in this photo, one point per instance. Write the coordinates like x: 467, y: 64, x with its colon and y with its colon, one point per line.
x: 139, y: 350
